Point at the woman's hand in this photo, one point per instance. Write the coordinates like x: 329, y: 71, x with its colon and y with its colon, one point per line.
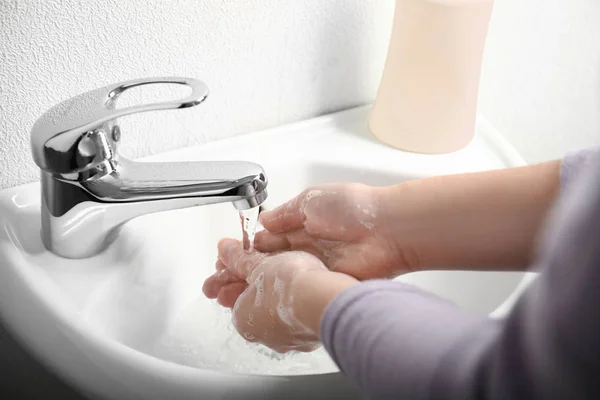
x: 346, y: 226
x: 483, y: 220
x: 277, y: 300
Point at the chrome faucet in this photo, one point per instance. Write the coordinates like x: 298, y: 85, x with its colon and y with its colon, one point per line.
x: 88, y: 190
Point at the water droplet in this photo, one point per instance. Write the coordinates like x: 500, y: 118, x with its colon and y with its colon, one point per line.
x: 249, y: 222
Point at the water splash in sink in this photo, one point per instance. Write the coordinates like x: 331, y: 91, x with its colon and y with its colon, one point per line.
x: 203, y: 337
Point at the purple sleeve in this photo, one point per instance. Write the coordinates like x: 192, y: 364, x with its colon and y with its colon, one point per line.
x: 573, y: 163
x: 397, y: 341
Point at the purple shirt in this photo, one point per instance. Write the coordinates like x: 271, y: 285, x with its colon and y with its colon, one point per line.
x: 398, y: 341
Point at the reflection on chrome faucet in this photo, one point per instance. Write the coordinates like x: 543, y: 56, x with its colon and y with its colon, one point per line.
x: 88, y: 189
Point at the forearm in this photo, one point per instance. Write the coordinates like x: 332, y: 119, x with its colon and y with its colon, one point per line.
x: 483, y: 220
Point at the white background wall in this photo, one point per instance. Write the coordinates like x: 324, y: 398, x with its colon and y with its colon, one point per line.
x: 269, y: 62
x: 541, y: 75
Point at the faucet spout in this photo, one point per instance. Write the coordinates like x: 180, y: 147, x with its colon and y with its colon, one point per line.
x: 88, y: 190
x: 78, y: 216
x: 240, y: 182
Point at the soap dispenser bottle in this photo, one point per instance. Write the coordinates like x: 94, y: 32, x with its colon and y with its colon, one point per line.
x: 427, y: 97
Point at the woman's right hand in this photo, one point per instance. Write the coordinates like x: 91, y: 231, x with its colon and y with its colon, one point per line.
x: 347, y: 226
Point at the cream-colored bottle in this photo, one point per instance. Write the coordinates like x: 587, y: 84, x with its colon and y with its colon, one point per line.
x: 427, y: 97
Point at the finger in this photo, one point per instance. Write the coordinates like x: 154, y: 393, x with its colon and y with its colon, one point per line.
x: 279, y: 349
x: 268, y: 242
x: 299, y: 240
x: 210, y: 288
x: 302, y: 241
x: 229, y: 294
x: 287, y: 217
x: 215, y: 282
x: 219, y: 265
x: 240, y: 262
x: 308, y: 347
x: 231, y: 252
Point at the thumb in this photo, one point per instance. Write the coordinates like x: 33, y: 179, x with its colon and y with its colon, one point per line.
x: 288, y: 217
x: 240, y: 262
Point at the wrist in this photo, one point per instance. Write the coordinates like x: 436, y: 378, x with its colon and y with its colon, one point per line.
x: 312, y: 291
x: 401, y: 224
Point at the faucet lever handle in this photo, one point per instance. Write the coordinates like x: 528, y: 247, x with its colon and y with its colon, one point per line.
x: 74, y: 135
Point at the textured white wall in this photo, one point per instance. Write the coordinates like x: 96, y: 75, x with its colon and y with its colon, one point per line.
x: 268, y: 62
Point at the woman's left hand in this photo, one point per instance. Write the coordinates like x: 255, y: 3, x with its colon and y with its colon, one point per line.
x: 267, y: 294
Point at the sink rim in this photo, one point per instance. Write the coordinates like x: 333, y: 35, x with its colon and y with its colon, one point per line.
x: 196, y: 377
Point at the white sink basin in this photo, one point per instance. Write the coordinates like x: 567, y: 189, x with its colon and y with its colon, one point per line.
x: 132, y: 322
